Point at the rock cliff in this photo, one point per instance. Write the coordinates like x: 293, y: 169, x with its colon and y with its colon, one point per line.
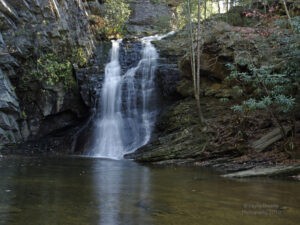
x: 51, y: 65
x: 30, y: 108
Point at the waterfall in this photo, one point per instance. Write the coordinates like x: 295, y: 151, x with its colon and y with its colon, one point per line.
x: 109, y: 141
x: 128, y: 104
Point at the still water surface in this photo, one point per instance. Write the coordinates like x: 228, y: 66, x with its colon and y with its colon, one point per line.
x: 87, y: 191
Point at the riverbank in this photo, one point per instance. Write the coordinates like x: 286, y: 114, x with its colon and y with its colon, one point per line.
x: 219, y: 144
x: 230, y: 140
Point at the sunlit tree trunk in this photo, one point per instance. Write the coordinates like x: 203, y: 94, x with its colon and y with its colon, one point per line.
x: 195, y: 74
x: 227, y: 5
x: 205, y: 8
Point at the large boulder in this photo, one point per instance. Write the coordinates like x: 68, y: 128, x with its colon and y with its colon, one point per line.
x: 177, y: 135
x: 148, y: 17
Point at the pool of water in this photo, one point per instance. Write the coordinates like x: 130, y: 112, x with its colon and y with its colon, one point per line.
x: 89, y: 191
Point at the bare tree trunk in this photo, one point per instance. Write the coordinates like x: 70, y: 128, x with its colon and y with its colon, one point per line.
x: 193, y: 64
x: 251, y: 5
x: 205, y: 8
x: 195, y: 74
x: 288, y: 14
x: 227, y: 9
x: 197, y: 92
x: 227, y: 5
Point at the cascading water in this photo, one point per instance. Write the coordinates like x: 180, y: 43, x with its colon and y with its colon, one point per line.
x: 128, y: 109
x: 139, y: 98
x: 109, y: 126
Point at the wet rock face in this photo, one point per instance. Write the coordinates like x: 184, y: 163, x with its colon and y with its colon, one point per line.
x: 9, y: 112
x: 130, y: 54
x: 90, y: 78
x: 9, y: 105
x: 178, y: 136
x: 168, y: 77
x: 29, y: 29
x: 43, y: 25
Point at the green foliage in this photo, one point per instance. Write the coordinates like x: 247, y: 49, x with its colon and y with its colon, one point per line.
x: 98, y: 24
x: 52, y: 70
x: 296, y: 24
x: 23, y: 115
x: 290, y: 55
x: 217, y: 10
x: 284, y: 23
x: 79, y: 56
x: 117, y: 13
x: 269, y: 90
x: 224, y: 100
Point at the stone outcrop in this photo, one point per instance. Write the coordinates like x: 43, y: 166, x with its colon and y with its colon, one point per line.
x: 9, y: 106
x: 179, y: 136
x: 168, y: 73
x: 30, y: 108
x: 9, y: 112
x: 148, y: 17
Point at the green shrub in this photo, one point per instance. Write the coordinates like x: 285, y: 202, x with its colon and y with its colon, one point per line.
x: 117, y: 13
x: 52, y: 70
x: 79, y: 56
x: 270, y: 91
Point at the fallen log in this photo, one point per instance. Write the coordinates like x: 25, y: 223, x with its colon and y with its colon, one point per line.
x: 276, y: 171
x: 269, y: 139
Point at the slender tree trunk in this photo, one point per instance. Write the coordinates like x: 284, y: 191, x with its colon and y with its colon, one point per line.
x: 205, y: 8
x: 193, y: 64
x: 288, y: 14
x: 197, y: 92
x: 196, y: 75
x: 227, y: 5
x: 227, y: 9
x: 251, y: 5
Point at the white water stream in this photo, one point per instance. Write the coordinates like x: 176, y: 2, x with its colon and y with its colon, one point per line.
x: 128, y: 104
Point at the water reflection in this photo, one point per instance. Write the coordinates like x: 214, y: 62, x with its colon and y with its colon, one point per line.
x: 5, y: 194
x: 86, y: 191
x: 121, y: 189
